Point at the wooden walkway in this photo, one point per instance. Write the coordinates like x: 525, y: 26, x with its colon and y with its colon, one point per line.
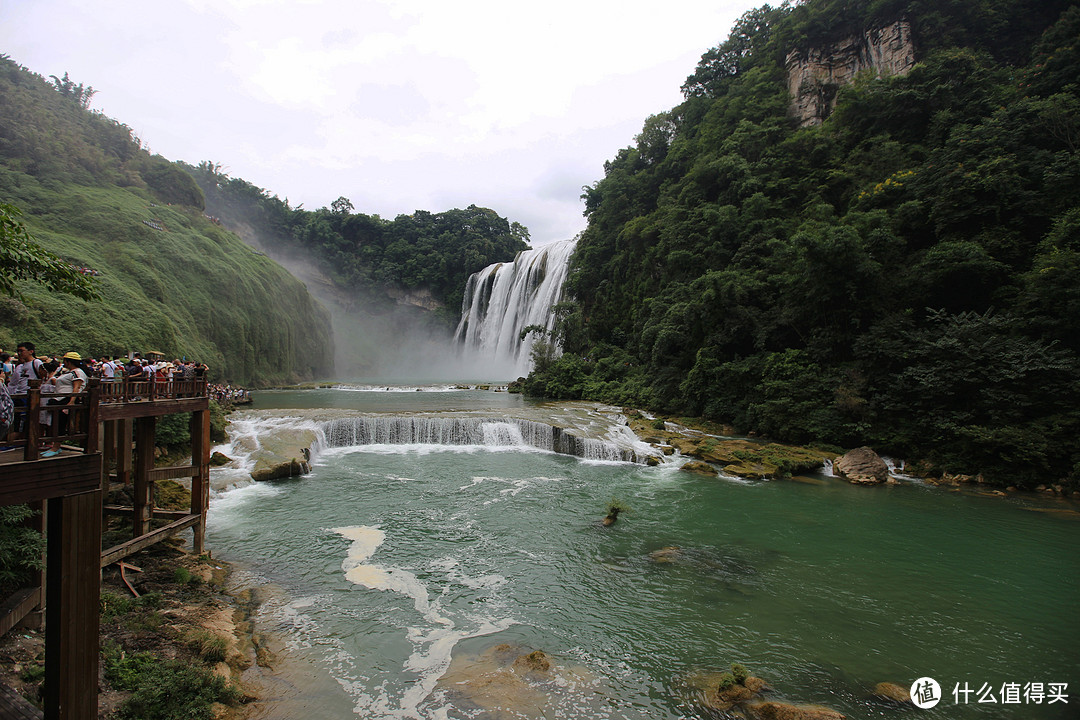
x: 14, y: 706
x: 69, y: 489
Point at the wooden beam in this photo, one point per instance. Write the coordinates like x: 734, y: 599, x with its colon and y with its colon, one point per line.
x: 18, y: 606
x: 152, y: 408
x: 119, y: 552
x: 125, y: 511
x: 27, y: 481
x: 183, y: 471
x: 71, y: 609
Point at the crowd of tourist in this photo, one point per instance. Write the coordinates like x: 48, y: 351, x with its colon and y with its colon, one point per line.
x: 68, y: 374
x: 230, y: 394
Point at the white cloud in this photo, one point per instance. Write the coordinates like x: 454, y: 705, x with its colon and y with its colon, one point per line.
x: 398, y: 105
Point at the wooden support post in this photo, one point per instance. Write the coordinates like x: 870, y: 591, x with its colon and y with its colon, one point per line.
x: 200, y: 481
x: 33, y: 424
x: 93, y: 437
x: 144, y: 463
x: 108, y: 454
x: 123, y: 450
x: 72, y: 622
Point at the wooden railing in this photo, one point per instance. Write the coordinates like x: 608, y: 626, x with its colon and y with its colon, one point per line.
x: 128, y: 390
x: 41, y: 414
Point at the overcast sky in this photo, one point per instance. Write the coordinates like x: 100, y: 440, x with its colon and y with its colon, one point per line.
x: 396, y: 105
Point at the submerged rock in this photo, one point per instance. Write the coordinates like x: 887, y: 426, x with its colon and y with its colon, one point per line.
x: 862, y: 466
x: 510, y: 681
x: 783, y: 711
x: 892, y: 693
x: 668, y: 554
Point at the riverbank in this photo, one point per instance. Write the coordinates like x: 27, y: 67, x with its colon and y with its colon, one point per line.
x: 715, y: 449
x: 187, y: 646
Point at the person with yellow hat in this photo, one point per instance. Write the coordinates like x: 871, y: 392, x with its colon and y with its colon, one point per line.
x: 71, y: 380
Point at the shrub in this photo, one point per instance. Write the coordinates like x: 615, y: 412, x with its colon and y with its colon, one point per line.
x: 740, y: 673
x: 174, y: 690
x: 20, y: 548
x: 210, y: 647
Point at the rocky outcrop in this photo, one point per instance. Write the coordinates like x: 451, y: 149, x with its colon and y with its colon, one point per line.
x: 862, y: 466
x: 699, y: 468
x: 815, y: 76
x: 420, y: 297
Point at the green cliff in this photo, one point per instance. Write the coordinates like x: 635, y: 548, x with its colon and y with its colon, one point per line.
x: 169, y: 278
x: 860, y: 227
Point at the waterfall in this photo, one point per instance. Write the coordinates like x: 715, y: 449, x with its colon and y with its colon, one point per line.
x: 490, y: 432
x: 504, y: 298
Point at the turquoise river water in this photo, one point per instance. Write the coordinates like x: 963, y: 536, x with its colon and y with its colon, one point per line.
x: 411, y: 573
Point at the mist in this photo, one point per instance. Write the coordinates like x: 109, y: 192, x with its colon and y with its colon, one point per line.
x: 380, y: 337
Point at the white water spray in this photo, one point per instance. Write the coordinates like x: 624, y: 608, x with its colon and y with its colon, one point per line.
x: 504, y: 298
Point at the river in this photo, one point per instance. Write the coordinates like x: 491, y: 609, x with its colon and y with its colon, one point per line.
x: 413, y: 575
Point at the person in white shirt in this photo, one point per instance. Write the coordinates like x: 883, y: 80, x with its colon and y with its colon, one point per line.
x: 27, y: 368
x: 108, y: 371
x: 72, y: 379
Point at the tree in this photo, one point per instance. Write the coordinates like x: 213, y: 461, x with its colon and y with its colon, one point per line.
x: 23, y: 259
x: 80, y: 94
x: 342, y: 206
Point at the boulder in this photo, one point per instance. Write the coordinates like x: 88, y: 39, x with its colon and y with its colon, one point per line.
x: 268, y: 470
x: 700, y: 468
x: 784, y: 711
x: 862, y: 466
x: 219, y: 459
x: 283, y: 454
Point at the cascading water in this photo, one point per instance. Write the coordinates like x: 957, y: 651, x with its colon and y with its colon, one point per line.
x: 490, y: 432
x: 504, y: 298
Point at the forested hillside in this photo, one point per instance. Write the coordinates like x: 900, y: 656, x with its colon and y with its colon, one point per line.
x: 168, y: 278
x: 433, y: 253
x: 393, y: 287
x: 906, y: 273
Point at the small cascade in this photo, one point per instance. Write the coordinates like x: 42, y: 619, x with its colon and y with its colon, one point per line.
x: 504, y: 298
x: 488, y: 432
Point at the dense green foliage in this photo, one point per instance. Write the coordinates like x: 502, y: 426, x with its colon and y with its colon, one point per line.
x: 163, y: 689
x: 906, y: 274
x: 23, y: 259
x: 435, y: 252
x: 20, y: 548
x: 168, y: 279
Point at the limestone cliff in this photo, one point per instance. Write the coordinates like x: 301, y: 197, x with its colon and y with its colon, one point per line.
x: 814, y: 76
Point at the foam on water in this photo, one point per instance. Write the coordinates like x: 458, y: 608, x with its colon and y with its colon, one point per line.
x: 434, y: 641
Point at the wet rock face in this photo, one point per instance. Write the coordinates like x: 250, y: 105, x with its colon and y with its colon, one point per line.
x: 862, y: 466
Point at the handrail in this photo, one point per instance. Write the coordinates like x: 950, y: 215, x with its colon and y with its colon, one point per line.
x: 42, y: 417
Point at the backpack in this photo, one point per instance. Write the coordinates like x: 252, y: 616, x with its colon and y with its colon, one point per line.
x: 7, y: 410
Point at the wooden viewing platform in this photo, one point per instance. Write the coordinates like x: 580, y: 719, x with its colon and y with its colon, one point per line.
x: 69, y: 490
